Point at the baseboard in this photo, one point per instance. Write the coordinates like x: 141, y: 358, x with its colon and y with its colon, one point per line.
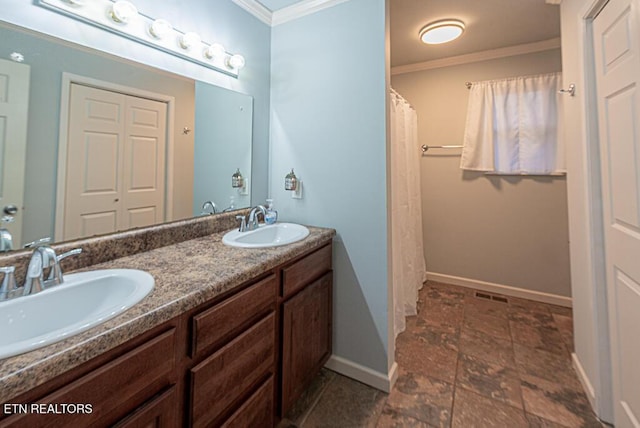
x: 507, y: 290
x: 584, y: 380
x: 377, y: 380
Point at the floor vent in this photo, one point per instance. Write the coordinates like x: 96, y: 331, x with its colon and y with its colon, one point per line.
x: 487, y: 296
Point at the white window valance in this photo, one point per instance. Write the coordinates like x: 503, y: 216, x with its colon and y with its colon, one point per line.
x: 513, y: 126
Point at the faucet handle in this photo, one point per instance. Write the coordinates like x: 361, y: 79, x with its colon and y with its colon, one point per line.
x: 243, y: 223
x: 38, y: 243
x: 55, y: 275
x: 8, y: 282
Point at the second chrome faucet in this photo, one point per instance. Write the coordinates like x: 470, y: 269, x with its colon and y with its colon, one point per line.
x: 251, y: 223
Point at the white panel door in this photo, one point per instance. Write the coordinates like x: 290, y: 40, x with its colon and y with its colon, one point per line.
x: 144, y: 163
x: 617, y: 61
x: 115, y: 162
x: 94, y: 162
x: 14, y: 107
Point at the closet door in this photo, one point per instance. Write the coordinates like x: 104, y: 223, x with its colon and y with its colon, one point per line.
x: 144, y: 163
x: 94, y: 162
x: 115, y: 162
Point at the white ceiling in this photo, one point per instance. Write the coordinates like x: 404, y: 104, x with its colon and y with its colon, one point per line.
x: 490, y: 24
x: 274, y: 5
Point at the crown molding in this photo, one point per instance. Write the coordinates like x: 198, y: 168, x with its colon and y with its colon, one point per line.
x: 553, y: 1
x: 256, y: 9
x: 523, y: 49
x: 302, y: 8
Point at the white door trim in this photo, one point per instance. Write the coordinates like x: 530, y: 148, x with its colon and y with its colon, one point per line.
x: 67, y: 80
x: 599, y: 389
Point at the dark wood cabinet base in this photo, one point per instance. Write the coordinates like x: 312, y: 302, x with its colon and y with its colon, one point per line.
x: 239, y: 360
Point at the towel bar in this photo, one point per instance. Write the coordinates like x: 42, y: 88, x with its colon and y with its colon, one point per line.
x: 425, y: 148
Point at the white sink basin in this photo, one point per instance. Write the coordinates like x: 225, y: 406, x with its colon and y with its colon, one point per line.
x: 272, y: 235
x: 84, y: 300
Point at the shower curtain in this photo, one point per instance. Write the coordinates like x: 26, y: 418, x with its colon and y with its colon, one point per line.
x: 408, y: 265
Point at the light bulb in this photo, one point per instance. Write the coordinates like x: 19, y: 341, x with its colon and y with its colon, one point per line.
x: 160, y: 28
x: 236, y: 62
x: 76, y: 2
x: 123, y: 11
x: 189, y: 40
x: 216, y: 50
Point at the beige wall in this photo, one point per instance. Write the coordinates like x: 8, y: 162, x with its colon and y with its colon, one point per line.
x: 506, y: 230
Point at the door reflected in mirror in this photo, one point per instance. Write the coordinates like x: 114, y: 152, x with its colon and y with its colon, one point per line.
x: 141, y: 147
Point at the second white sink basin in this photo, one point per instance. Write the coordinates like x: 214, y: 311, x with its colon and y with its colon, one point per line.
x: 84, y: 300
x: 272, y: 235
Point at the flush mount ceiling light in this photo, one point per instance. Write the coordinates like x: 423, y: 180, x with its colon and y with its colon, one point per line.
x: 441, y: 31
x: 123, y: 11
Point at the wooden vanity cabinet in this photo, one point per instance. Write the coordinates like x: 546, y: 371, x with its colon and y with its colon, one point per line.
x: 235, y: 361
x: 306, y: 312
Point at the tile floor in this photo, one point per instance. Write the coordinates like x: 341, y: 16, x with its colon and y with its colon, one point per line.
x: 465, y: 362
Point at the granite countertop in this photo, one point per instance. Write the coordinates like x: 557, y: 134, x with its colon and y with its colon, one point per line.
x: 186, y: 274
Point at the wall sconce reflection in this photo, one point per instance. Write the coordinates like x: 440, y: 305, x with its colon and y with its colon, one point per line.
x: 237, y: 180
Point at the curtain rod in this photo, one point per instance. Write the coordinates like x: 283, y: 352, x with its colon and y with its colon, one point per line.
x: 468, y: 85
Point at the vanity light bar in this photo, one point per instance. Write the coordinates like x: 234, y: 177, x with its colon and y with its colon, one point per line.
x: 155, y: 33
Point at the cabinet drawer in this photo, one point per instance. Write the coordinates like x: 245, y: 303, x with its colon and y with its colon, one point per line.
x: 225, y: 376
x: 223, y: 321
x: 113, y: 390
x: 257, y: 411
x: 299, y: 274
x: 160, y: 412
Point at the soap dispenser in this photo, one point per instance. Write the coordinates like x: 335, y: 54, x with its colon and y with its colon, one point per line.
x: 271, y: 215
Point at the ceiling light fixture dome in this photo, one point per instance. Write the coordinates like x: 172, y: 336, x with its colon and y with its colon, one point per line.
x: 441, y: 31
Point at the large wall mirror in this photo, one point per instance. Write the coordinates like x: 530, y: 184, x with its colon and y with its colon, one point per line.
x: 110, y: 144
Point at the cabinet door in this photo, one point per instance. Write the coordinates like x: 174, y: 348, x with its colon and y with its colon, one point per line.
x: 306, y: 337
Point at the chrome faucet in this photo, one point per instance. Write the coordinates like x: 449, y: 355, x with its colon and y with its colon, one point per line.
x: 252, y: 223
x: 44, y: 257
x: 208, y: 204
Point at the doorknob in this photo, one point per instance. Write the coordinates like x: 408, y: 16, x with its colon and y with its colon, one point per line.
x: 10, y: 210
